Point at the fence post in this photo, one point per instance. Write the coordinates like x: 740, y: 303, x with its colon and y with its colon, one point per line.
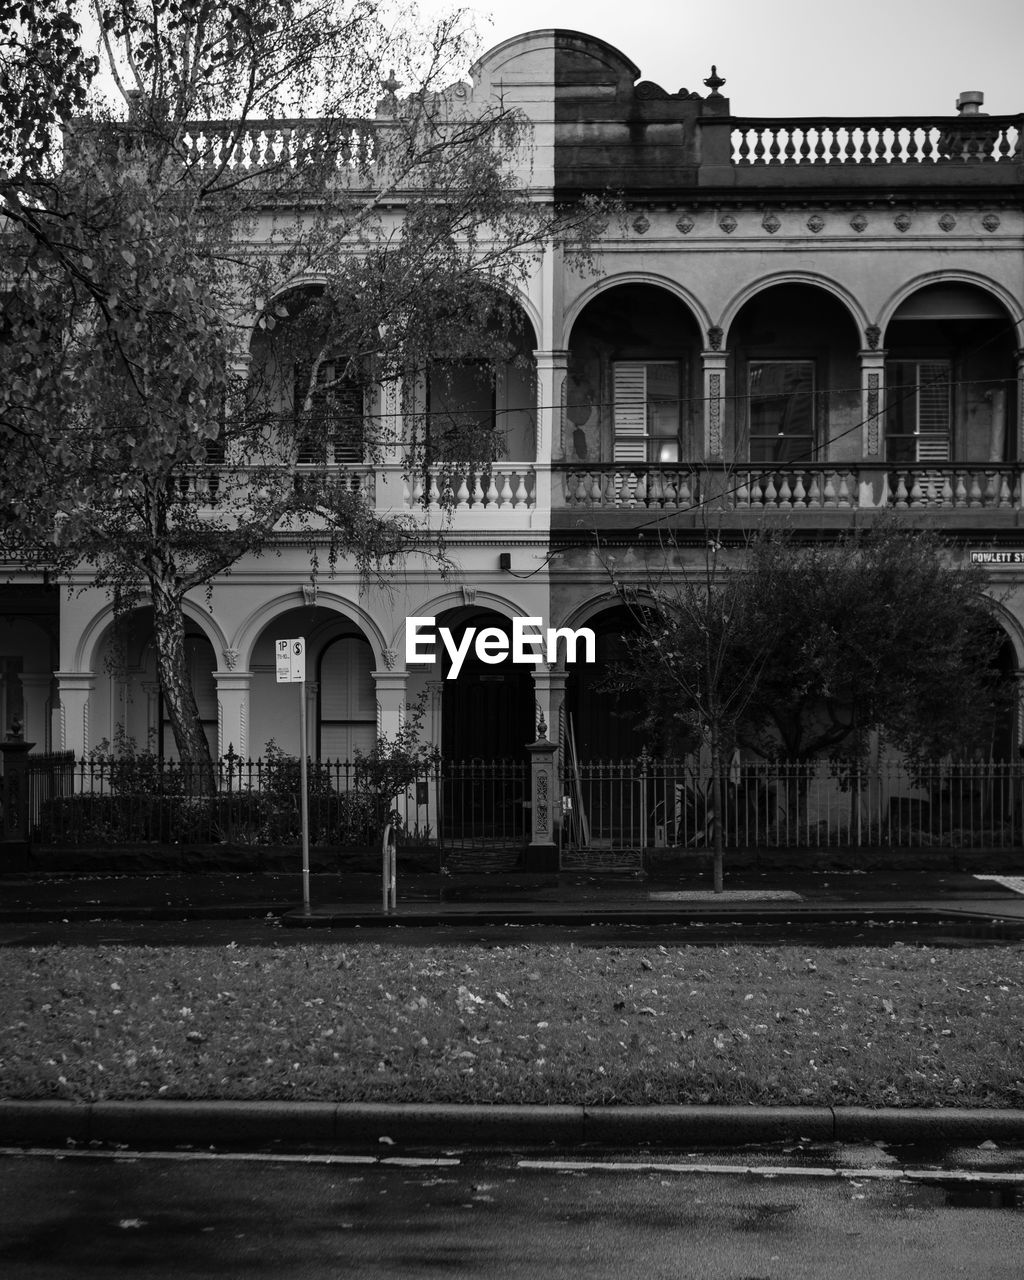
x: 14, y: 800
x: 542, y: 851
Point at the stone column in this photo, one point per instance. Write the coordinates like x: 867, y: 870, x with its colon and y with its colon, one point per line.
x: 549, y: 696
x: 1020, y: 404
x: 74, y: 689
x: 714, y: 361
x: 35, y: 687
x: 233, y: 712
x: 545, y: 801
x: 552, y: 367
x: 872, y: 407
x: 874, y: 483
x: 391, y: 699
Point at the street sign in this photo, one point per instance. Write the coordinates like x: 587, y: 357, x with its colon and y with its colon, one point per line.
x: 291, y: 661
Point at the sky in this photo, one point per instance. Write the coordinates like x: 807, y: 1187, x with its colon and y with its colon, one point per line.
x: 800, y: 57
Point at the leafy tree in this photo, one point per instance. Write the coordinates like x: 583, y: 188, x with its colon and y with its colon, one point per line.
x: 800, y: 650
x: 137, y: 251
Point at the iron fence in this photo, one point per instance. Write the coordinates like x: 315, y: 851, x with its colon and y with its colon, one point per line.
x: 651, y: 803
x: 132, y: 800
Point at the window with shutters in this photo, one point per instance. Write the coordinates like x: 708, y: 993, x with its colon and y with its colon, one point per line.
x: 646, y: 398
x: 781, y: 413
x: 329, y: 417
x: 918, y: 410
x: 348, y: 700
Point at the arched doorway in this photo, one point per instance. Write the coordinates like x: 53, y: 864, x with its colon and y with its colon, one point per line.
x: 486, y: 722
x: 604, y: 723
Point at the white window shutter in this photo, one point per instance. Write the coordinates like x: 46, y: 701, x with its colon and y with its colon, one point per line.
x: 933, y: 412
x: 629, y: 393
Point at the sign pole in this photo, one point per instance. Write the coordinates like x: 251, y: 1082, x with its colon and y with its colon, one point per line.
x: 304, y: 796
x: 291, y: 669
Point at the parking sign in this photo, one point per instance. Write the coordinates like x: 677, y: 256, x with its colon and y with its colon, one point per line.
x: 291, y: 661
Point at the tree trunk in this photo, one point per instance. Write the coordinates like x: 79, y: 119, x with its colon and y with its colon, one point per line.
x: 717, y: 797
x: 176, y: 686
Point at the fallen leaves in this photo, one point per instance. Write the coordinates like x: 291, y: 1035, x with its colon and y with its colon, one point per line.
x: 372, y: 1022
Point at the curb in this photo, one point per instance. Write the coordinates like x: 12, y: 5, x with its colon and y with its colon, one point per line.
x: 185, y: 1123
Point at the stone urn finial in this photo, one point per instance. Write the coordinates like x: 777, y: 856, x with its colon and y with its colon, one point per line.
x: 714, y: 82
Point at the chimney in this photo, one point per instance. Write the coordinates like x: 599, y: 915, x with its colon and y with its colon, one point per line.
x: 969, y: 102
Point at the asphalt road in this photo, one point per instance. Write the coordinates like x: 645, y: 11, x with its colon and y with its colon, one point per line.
x: 162, y: 1217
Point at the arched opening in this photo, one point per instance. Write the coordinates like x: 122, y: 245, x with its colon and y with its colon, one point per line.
x: 128, y: 709
x: 481, y: 392
x: 603, y: 724
x: 342, y: 700
x: 634, y: 379
x: 794, y: 378
x: 313, y: 394
x: 950, y: 377
x: 487, y: 710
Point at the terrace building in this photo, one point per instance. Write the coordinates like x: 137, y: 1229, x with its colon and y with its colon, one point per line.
x: 810, y: 320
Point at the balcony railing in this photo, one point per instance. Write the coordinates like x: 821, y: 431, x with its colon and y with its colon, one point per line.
x: 503, y: 486
x: 885, y: 140
x: 821, y: 487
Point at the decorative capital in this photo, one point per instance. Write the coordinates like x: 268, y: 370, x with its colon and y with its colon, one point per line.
x: 874, y: 335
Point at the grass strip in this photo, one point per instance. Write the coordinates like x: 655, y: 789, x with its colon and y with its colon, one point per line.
x: 903, y: 1026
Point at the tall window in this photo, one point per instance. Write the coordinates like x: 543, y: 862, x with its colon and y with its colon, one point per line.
x: 781, y: 415
x: 918, y: 410
x: 329, y: 420
x: 646, y: 397
x: 348, y: 701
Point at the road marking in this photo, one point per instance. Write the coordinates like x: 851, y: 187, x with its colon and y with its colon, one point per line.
x: 408, y: 1162
x: 772, y: 1171
x: 1016, y: 883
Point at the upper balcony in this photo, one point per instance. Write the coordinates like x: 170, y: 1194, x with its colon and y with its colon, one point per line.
x: 810, y: 494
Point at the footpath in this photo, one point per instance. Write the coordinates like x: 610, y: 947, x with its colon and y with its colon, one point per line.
x: 345, y: 902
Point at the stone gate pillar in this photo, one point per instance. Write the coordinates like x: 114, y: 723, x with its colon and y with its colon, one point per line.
x: 545, y: 801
